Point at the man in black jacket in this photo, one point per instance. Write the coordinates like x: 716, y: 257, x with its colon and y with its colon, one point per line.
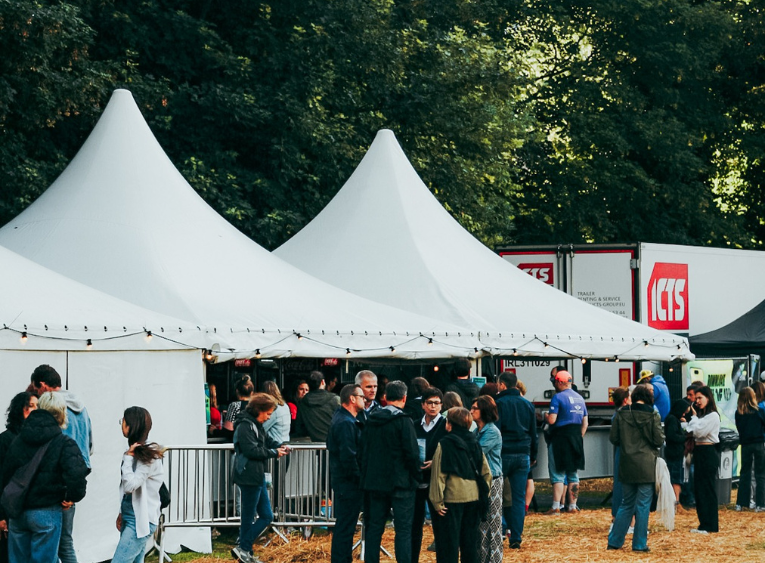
x: 518, y: 425
x: 390, y: 466
x: 463, y: 386
x: 342, y: 444
x: 315, y: 410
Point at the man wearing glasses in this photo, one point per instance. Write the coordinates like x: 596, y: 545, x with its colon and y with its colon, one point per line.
x: 429, y: 430
x: 342, y: 444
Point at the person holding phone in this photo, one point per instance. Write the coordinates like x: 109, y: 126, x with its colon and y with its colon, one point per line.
x: 704, y: 424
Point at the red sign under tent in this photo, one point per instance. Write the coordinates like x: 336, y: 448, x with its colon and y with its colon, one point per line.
x: 330, y: 362
x: 243, y: 363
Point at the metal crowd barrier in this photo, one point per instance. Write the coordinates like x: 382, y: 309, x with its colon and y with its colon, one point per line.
x: 203, y: 494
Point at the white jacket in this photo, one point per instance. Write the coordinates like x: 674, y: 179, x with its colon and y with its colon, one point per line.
x: 143, y: 482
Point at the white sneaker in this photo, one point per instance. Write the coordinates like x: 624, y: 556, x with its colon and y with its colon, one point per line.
x: 631, y: 530
x: 242, y: 555
x: 737, y: 508
x: 697, y: 531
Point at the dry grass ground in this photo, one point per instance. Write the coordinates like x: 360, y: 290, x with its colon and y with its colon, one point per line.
x: 569, y: 538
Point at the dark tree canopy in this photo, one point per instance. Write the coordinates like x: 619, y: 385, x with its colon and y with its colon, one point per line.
x: 531, y: 122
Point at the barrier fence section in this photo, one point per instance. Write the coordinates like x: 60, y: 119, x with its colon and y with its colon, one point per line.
x: 202, y: 491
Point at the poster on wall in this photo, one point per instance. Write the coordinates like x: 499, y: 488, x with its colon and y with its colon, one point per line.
x: 725, y: 377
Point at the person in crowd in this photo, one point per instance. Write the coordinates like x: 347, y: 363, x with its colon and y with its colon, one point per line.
x: 750, y: 423
x: 462, y: 385
x: 674, y: 451
x: 413, y: 407
x: 142, y: 475
x: 568, y: 419
x: 252, y: 448
x: 489, y: 389
x: 382, y: 381
x: 686, y: 490
x: 343, y: 446
x: 453, y: 399
x: 518, y: 427
x: 660, y: 391
x: 21, y: 405
x: 60, y: 481
x: 278, y: 425
x: 390, y: 468
x: 621, y: 398
x: 530, y: 488
x: 460, y: 482
x: 759, y: 393
x: 45, y: 378
x: 636, y: 430
x: 367, y: 380
x: 429, y: 430
x: 216, y: 420
x: 301, y: 390
x: 316, y: 409
x: 244, y: 390
x: 484, y: 413
x: 333, y: 383
x: 705, y: 427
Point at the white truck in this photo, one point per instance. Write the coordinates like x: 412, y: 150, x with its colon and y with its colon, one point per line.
x: 686, y: 290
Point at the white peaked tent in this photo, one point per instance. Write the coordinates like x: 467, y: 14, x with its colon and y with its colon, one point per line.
x: 46, y: 318
x: 409, y: 252
x: 123, y: 220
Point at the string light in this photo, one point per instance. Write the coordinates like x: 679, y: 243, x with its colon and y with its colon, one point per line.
x: 392, y: 349
x: 299, y: 336
x: 430, y: 341
x: 435, y: 368
x: 547, y: 345
x: 616, y: 359
x: 257, y: 354
x: 89, y: 345
x: 24, y: 337
x: 148, y: 335
x: 645, y: 343
x: 584, y: 360
x: 515, y: 351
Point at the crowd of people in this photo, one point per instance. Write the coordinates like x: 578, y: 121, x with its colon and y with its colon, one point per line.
x: 44, y: 462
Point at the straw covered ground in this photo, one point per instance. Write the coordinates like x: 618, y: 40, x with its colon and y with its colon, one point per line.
x: 568, y: 538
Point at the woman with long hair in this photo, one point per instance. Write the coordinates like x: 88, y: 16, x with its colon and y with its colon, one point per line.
x: 459, y: 490
x: 252, y: 448
x: 278, y: 426
x: 705, y: 427
x: 759, y: 393
x: 636, y: 430
x: 21, y: 405
x: 484, y: 412
x: 142, y: 475
x: 750, y: 423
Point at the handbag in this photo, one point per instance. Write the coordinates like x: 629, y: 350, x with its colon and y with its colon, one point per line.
x: 164, y: 497
x: 15, y: 492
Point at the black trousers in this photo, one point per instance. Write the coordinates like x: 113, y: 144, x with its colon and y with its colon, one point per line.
x: 457, y: 536
x: 380, y: 505
x: 706, y: 461
x: 420, y: 501
x: 347, y: 507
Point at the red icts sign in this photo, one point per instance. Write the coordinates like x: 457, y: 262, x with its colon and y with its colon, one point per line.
x: 668, y: 297
x: 543, y: 272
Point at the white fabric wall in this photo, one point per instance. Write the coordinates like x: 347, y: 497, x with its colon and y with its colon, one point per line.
x: 169, y: 384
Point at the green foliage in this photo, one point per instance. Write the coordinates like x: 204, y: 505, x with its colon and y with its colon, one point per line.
x: 531, y: 122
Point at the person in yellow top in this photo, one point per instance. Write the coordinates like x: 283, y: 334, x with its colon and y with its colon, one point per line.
x: 459, y: 490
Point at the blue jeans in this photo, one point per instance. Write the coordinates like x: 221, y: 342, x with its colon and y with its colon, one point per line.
x: 559, y: 476
x: 515, y: 467
x: 34, y: 536
x: 618, y: 493
x: 254, y: 501
x: 131, y: 548
x: 66, y: 551
x: 637, y: 500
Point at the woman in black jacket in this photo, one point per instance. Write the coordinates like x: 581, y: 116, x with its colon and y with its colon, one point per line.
x: 750, y: 423
x: 252, y: 448
x: 58, y: 484
x: 674, y: 451
x: 21, y: 405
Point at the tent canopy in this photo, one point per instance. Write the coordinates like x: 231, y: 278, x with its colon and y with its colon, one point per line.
x: 123, y: 220
x: 745, y: 335
x: 409, y: 252
x: 43, y: 310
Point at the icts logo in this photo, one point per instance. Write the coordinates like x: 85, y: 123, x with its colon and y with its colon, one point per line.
x: 543, y: 272
x: 668, y: 297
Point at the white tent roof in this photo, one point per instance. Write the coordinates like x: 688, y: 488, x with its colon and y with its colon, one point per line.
x: 43, y: 310
x: 123, y: 220
x: 409, y: 252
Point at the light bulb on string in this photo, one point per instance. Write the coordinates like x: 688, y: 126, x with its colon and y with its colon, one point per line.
x: 435, y: 368
x: 148, y: 336
x: 24, y: 337
x: 392, y: 349
x: 89, y: 344
x: 257, y: 354
x: 515, y: 351
x: 584, y: 360
x: 430, y: 341
x: 347, y: 351
x: 616, y: 359
x: 645, y: 343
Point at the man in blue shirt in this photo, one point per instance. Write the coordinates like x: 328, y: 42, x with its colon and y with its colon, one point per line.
x: 518, y: 425
x: 661, y: 400
x: 568, y: 419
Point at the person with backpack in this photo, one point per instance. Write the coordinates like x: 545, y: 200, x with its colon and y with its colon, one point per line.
x: 52, y: 486
x: 142, y: 476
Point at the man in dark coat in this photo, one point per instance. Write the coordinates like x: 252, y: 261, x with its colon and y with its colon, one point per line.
x: 390, y: 467
x: 315, y: 410
x: 463, y: 386
x: 342, y: 444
